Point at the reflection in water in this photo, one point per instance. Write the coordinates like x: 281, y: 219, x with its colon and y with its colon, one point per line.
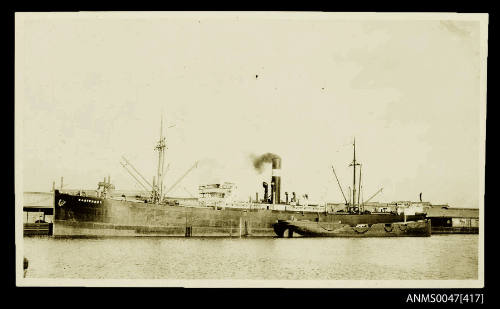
x: 436, y: 257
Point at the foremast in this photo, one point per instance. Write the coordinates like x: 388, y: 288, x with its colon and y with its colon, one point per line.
x: 158, y: 185
x: 354, y: 164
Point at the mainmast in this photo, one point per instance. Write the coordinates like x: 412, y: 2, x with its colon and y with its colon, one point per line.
x: 160, y: 147
x: 353, y: 164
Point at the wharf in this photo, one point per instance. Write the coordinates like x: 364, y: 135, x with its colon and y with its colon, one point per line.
x: 38, y: 213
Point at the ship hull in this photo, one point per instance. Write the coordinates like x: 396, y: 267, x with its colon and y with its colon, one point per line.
x: 90, y: 216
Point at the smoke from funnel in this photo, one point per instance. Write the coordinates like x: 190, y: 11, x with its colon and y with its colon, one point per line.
x: 260, y: 161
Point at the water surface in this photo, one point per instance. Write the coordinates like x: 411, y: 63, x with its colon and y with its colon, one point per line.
x: 436, y: 257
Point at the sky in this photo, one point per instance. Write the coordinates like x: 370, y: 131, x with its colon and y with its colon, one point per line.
x: 91, y: 87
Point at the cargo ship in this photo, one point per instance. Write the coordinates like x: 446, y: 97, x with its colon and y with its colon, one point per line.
x: 105, y: 214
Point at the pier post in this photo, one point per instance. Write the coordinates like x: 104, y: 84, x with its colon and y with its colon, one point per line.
x: 189, y: 231
x: 25, y: 266
x: 240, y: 227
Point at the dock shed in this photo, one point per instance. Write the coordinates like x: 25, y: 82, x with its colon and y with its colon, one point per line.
x: 445, y: 219
x: 38, y: 213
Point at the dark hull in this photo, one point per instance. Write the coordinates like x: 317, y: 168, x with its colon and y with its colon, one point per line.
x: 90, y: 216
x: 289, y: 228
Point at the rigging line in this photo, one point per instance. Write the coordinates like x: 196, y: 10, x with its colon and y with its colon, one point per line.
x: 359, y: 186
x: 182, y: 177
x: 339, y: 184
x: 128, y: 163
x: 131, y: 174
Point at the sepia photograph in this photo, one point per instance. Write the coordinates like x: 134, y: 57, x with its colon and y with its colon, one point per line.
x: 250, y: 149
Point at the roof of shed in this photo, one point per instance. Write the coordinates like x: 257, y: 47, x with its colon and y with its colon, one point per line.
x: 38, y: 199
x: 450, y: 212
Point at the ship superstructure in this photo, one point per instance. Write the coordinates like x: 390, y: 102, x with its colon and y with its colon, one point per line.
x: 217, y: 194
